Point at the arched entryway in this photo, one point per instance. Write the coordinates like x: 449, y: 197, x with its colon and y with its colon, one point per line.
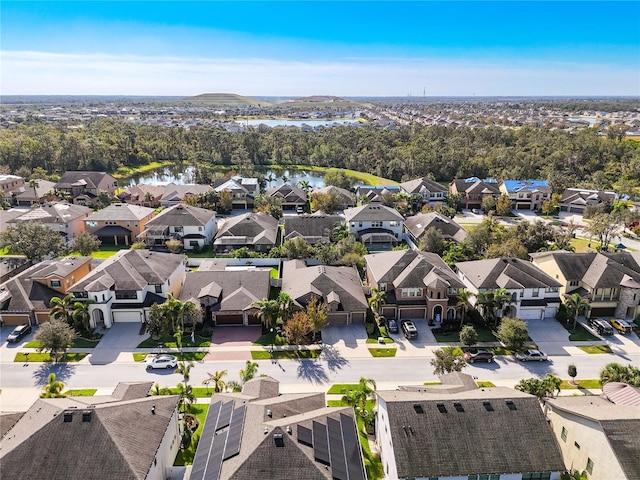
x: 98, y: 318
x: 437, y: 313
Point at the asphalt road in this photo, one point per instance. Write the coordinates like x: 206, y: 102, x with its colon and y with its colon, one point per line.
x: 313, y: 374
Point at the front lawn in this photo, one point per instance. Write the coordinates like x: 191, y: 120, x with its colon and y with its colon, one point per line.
x: 595, y: 349
x: 591, y: 383
x: 79, y: 342
x: 269, y: 339
x: 198, y: 392
x: 485, y: 384
x: 501, y: 351
x: 285, y: 354
x: 484, y: 335
x: 81, y: 392
x: 185, y: 457
x: 139, y: 357
x: 383, y: 352
x: 46, y: 357
x: 169, y: 341
x: 580, y: 334
x: 341, y: 388
x: 377, y: 340
x: 186, y: 356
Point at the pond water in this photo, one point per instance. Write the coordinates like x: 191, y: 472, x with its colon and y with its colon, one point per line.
x: 177, y: 175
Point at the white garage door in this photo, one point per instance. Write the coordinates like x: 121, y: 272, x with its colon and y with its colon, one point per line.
x: 121, y: 316
x: 531, y: 313
x: 550, y: 312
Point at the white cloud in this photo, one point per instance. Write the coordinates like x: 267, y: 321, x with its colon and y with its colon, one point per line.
x: 29, y: 72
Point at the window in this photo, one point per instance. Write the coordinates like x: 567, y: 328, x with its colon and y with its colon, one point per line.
x: 382, y: 287
x: 573, y: 283
x: 536, y: 292
x: 80, y: 294
x: 55, y: 283
x: 376, y: 224
x: 411, y: 292
x: 126, y: 294
x: 135, y: 224
x: 577, y: 445
x: 158, y: 288
x: 178, y: 229
x: 199, y: 229
x: 393, y: 223
x: 589, y: 465
x: 563, y: 435
x: 536, y: 476
x: 128, y: 223
x: 551, y: 290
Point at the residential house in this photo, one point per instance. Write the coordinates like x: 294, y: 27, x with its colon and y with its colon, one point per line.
x: 526, y: 194
x: 576, y: 200
x: 28, y: 195
x: 315, y: 228
x: 12, y: 265
x: 137, y: 437
x: 339, y: 288
x: 291, y: 197
x: 473, y: 191
x: 345, y: 197
x: 119, y: 223
x: 62, y: 217
x: 226, y: 295
x: 85, y: 187
x: 432, y: 193
x: 143, y: 194
x: 10, y: 183
x: 533, y: 294
x: 417, y: 285
x: 374, y: 193
x: 174, y: 194
x: 610, y: 282
x: 123, y: 287
x: 256, y: 231
x: 6, y: 216
x: 417, y: 225
x: 26, y: 298
x: 243, y: 190
x: 375, y: 225
x: 597, y: 436
x: 193, y: 226
x: 261, y: 433
x: 458, y: 431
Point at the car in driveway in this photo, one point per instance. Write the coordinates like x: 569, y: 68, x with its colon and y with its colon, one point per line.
x: 409, y: 329
x: 478, y: 356
x: 392, y: 325
x: 622, y: 326
x: 18, y: 333
x: 161, y: 361
x: 600, y: 326
x: 531, y: 355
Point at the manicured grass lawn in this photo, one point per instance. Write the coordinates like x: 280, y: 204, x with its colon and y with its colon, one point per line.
x: 383, y: 352
x: 82, y: 392
x: 501, y: 351
x: 46, y: 357
x: 432, y: 383
x: 591, y: 383
x: 185, y: 457
x: 274, y: 273
x: 582, y: 245
x: 372, y: 462
x: 375, y: 340
x: 139, y: 357
x: 270, y: 339
x: 484, y: 335
x: 485, y: 384
x: 284, y: 354
x: 595, y: 348
x: 206, y: 253
x: 192, y: 356
x: 341, y: 388
x: 169, y: 341
x: 77, y: 343
x: 199, y: 392
x: 580, y: 334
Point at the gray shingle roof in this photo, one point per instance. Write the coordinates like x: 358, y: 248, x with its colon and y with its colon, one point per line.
x: 92, y: 179
x: 418, y: 184
x: 472, y: 441
x: 257, y: 228
x: 505, y: 273
x: 55, y: 212
x: 310, y: 226
x: 121, y: 211
x: 418, y: 224
x: 175, y: 193
x: 372, y: 212
x: 182, y: 215
x: 288, y: 193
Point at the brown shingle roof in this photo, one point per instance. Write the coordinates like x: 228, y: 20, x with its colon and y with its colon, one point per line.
x: 505, y: 273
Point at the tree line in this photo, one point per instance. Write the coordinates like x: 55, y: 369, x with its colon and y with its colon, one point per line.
x: 583, y: 158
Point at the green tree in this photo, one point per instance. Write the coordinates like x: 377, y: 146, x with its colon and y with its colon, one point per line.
x: 358, y: 396
x: 55, y: 337
x: 81, y: 317
x: 158, y: 390
x: 297, y: 327
x: 216, y: 379
x: 448, y: 360
x: 503, y: 205
x: 53, y: 388
x: 173, y: 245
x: 33, y: 240
x: 328, y: 203
x: 513, y: 333
x: 463, y: 300
x: 318, y: 317
x: 248, y: 372
x: 468, y: 336
x: 432, y: 241
x: 540, y: 387
x: 298, y: 248
x: 225, y: 201
x: 614, y: 372
x: 184, y: 369
x: 85, y: 243
x: 572, y: 371
x: 575, y: 306
x: 337, y: 179
x: 376, y: 300
x: 285, y: 307
x: 61, y: 308
x: 603, y: 226
x: 187, y: 397
x: 268, y: 311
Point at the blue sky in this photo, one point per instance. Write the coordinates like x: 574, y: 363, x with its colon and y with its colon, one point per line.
x: 305, y: 48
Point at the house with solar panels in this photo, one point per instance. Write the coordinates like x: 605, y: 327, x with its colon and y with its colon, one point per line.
x: 526, y: 194
x: 262, y: 434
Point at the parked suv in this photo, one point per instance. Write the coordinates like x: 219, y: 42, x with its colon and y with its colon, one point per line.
x: 621, y: 325
x: 479, y: 356
x: 409, y: 329
x: 19, y: 332
x: 600, y: 326
x: 392, y: 325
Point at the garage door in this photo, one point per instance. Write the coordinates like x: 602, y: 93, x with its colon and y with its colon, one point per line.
x: 338, y: 318
x: 530, y: 313
x: 13, y: 320
x: 550, y: 312
x: 254, y: 319
x: 229, y: 319
x: 603, y: 312
x: 358, y: 317
x: 412, y: 312
x: 129, y: 316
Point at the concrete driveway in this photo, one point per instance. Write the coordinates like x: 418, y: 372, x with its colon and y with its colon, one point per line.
x: 121, y: 337
x: 344, y: 336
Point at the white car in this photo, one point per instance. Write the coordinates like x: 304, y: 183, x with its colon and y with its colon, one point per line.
x: 528, y: 355
x: 161, y: 361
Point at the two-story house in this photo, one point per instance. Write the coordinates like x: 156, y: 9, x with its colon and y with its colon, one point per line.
x: 473, y: 191
x: 256, y: 231
x: 417, y: 225
x: 610, y: 282
x: 62, y: 217
x: 533, y: 294
x: 314, y: 228
x: 193, y: 226
x: 526, y: 194
x: 417, y: 285
x: 339, y: 288
x: 345, y: 198
x: 33, y: 193
x: 124, y: 286
x: 374, y: 224
x: 374, y: 193
x: 119, y: 223
x: 243, y: 190
x: 26, y: 298
x: 10, y: 183
x: 84, y: 187
x: 576, y: 200
x: 291, y: 197
x: 175, y: 194
x: 146, y: 195
x: 432, y: 193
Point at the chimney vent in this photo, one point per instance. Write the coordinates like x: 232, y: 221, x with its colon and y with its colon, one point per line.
x: 269, y: 413
x: 153, y: 409
x: 278, y: 439
x: 86, y: 416
x: 68, y: 417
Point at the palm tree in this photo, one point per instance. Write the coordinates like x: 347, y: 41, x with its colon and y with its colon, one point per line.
x: 285, y: 306
x: 463, y: 301
x: 614, y: 372
x: 501, y: 299
x: 339, y: 232
x: 216, y: 380
x: 158, y: 390
x: 376, y: 300
x: 80, y: 314
x: 268, y: 310
x: 54, y: 388
x: 184, y: 369
x: 187, y: 397
x: 33, y: 183
x: 249, y: 371
x: 485, y: 301
x: 575, y: 305
x: 304, y: 185
x: 61, y: 308
x: 364, y: 391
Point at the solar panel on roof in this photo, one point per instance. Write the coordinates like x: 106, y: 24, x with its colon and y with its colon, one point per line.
x: 235, y: 432
x: 203, y: 452
x: 320, y: 443
x: 225, y: 415
x: 304, y: 436
x: 352, y: 451
x: 214, y: 466
x: 336, y: 450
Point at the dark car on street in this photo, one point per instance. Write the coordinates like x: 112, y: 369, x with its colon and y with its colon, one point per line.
x: 18, y: 333
x: 479, y: 356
